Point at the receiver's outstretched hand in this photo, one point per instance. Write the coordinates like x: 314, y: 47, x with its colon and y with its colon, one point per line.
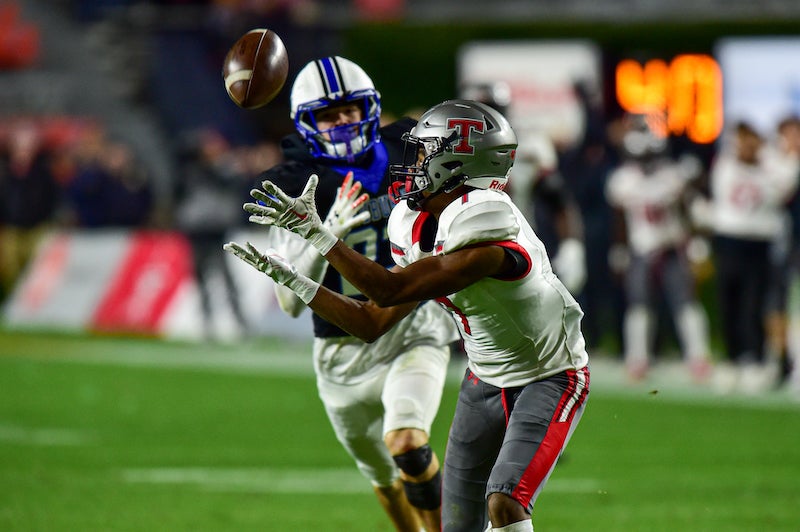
x: 279, y: 269
x: 298, y: 215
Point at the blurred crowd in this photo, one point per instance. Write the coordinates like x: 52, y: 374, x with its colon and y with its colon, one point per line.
x: 679, y: 251
x: 59, y: 172
x: 685, y: 251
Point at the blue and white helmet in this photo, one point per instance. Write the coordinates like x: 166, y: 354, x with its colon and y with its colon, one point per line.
x: 335, y: 81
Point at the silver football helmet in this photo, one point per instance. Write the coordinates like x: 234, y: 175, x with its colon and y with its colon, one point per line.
x: 456, y: 142
x: 334, y: 81
x: 645, y: 136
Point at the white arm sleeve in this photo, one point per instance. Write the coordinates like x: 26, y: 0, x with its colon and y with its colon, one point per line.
x: 305, y: 258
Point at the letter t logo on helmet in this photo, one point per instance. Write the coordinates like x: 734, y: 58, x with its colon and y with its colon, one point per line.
x: 464, y: 128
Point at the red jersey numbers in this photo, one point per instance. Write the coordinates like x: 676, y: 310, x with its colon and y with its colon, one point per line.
x: 746, y: 196
x: 464, y: 127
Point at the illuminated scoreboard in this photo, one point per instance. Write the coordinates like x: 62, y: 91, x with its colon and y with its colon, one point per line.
x: 687, y: 92
x: 755, y: 79
x: 693, y: 94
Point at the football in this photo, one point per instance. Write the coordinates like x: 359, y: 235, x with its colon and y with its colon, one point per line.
x: 255, y: 68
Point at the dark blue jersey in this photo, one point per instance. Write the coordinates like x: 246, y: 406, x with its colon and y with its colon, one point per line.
x: 372, y: 169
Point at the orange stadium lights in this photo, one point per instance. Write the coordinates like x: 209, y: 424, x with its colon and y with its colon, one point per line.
x: 688, y: 91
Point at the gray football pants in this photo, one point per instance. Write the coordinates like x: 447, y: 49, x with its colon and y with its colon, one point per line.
x: 506, y: 441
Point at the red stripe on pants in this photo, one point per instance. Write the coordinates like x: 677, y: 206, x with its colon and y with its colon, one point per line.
x: 553, y: 442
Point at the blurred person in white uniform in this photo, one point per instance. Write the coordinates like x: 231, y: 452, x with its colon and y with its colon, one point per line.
x: 648, y: 191
x: 749, y: 190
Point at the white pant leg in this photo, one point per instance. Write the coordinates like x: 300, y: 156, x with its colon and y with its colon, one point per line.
x: 413, y: 388
x: 356, y: 414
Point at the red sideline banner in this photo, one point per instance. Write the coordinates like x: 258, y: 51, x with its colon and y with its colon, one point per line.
x: 142, y: 282
x: 147, y: 280
x: 105, y: 280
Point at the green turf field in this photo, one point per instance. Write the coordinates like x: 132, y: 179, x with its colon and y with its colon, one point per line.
x: 101, y: 434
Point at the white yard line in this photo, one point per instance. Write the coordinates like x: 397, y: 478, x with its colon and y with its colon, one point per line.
x: 255, y: 480
x: 668, y: 381
x: 202, y: 359
x: 296, y: 481
x: 43, y: 436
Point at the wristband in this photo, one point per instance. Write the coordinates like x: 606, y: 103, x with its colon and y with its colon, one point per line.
x: 304, y: 287
x: 323, y: 240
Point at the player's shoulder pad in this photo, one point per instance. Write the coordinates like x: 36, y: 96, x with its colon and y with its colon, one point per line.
x: 400, y: 229
x: 479, y: 216
x: 622, y: 182
x: 400, y: 220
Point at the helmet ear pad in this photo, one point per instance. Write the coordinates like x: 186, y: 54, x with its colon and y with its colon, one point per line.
x: 448, y: 173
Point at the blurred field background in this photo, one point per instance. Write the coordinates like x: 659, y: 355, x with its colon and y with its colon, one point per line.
x: 120, y: 433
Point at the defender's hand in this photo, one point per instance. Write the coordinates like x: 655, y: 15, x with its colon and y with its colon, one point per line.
x: 346, y: 212
x: 299, y: 215
x: 279, y: 269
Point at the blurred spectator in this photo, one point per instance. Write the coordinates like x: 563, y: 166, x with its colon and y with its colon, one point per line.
x: 109, y: 188
x: 648, y: 190
x: 786, y: 252
x: 20, y: 41
x: 264, y: 154
x: 749, y: 192
x: 586, y: 166
x: 29, y: 197
x: 212, y: 186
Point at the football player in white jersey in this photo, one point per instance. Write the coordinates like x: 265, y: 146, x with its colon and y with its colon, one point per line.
x: 750, y: 189
x: 381, y: 399
x: 648, y: 191
x: 457, y: 237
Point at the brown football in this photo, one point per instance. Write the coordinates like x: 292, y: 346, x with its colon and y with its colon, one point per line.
x: 255, y: 68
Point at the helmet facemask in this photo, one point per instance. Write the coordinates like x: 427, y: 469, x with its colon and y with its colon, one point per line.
x: 414, y: 174
x: 345, y: 142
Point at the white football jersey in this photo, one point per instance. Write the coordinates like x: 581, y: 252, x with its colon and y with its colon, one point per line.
x: 651, y: 202
x: 515, y: 331
x: 346, y: 360
x: 748, y: 200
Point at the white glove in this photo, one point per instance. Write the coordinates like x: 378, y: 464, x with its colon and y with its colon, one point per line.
x: 298, y: 215
x: 570, y: 264
x: 275, y: 266
x: 344, y: 214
